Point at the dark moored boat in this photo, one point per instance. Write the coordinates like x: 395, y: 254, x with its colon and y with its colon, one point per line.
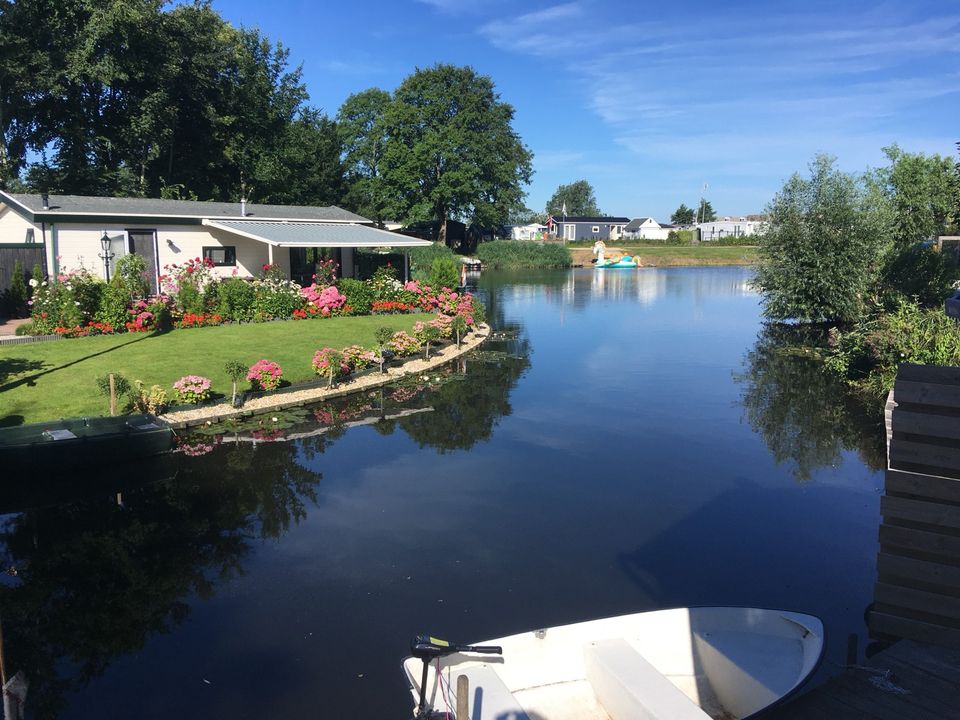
x: 76, y: 442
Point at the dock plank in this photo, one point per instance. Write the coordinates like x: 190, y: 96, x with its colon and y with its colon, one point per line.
x: 923, y: 683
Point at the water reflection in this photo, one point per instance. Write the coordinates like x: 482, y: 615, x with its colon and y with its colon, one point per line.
x: 800, y: 409
x: 98, y: 564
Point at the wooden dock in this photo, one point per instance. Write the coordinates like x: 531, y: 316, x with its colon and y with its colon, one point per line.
x: 917, y: 593
x: 908, y: 681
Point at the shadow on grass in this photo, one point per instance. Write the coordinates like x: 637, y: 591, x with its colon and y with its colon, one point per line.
x: 17, y: 366
x: 32, y: 379
x: 11, y: 421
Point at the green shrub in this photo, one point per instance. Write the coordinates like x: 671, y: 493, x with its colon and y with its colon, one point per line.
x: 234, y: 299
x: 870, y: 354
x: 360, y: 295
x: 444, y: 274
x: 25, y: 329
x: 131, y: 270
x: 922, y: 273
x: 521, y: 254
x: 421, y: 259
x: 113, y: 306
x: 17, y: 294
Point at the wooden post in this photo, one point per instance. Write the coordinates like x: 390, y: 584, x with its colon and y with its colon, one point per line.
x: 113, y: 396
x: 463, y: 697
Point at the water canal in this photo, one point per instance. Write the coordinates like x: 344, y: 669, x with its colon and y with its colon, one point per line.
x: 631, y: 441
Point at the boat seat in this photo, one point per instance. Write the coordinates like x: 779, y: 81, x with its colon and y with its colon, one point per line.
x: 630, y: 688
x: 489, y: 699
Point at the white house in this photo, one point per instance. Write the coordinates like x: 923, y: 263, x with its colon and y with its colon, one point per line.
x: 239, y: 238
x: 531, y: 231
x: 645, y: 228
x: 728, y: 227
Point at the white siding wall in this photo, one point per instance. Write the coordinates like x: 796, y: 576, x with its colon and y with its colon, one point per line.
x: 728, y: 228
x: 78, y: 245
x: 13, y: 228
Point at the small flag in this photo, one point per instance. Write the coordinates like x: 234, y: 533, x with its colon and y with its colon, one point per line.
x: 564, y: 208
x: 550, y: 222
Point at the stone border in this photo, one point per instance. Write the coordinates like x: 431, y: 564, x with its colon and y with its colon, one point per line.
x: 224, y: 410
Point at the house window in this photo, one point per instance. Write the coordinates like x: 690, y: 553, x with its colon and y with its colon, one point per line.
x: 595, y: 228
x: 29, y: 236
x: 221, y: 255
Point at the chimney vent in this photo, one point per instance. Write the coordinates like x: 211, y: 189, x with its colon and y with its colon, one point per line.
x: 46, y: 201
x: 243, y: 207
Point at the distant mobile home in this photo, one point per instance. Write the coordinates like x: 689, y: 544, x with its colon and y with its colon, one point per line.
x: 572, y: 228
x: 728, y: 227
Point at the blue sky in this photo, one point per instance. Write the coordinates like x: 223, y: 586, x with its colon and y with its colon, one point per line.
x: 650, y: 101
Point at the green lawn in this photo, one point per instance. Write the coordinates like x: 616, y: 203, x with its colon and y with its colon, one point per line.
x: 663, y: 255
x: 49, y: 380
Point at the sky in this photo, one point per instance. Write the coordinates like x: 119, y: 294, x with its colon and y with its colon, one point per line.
x: 652, y: 101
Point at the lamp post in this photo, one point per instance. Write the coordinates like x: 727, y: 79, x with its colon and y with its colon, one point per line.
x: 106, y: 255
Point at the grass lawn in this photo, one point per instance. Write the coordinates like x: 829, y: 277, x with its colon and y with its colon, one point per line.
x: 663, y: 255
x: 674, y: 255
x: 49, y: 380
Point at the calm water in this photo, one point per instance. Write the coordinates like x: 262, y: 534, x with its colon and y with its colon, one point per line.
x: 632, y: 441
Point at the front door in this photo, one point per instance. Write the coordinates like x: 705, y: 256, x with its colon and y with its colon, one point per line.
x: 302, y: 266
x: 144, y: 244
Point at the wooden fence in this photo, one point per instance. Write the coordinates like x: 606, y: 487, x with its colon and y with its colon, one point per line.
x: 917, y: 594
x: 29, y: 254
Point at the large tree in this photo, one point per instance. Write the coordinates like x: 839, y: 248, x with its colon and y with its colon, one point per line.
x: 924, y: 191
x: 363, y: 138
x: 706, y: 213
x: 451, y: 151
x: 821, y: 247
x: 682, y: 215
x: 578, y: 198
x: 127, y: 97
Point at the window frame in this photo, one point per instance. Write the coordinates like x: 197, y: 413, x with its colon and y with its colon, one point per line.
x: 229, y: 255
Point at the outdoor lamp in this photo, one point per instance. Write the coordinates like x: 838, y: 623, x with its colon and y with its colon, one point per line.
x: 106, y: 254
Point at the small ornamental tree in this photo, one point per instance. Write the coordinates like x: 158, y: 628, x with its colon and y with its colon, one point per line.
x: 820, y: 250
x: 382, y: 335
x: 459, y: 326
x: 235, y: 371
x: 328, y: 362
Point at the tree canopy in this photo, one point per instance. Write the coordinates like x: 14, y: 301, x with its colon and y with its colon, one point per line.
x: 578, y: 197
x: 449, y: 150
x: 682, y: 215
x: 820, y: 250
x: 705, y: 212
x: 924, y: 191
x: 125, y: 97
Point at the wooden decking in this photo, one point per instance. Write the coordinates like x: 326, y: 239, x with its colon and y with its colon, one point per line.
x: 917, y: 593
x: 908, y: 681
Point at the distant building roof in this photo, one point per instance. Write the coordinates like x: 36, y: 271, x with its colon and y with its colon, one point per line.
x: 73, y: 206
x: 636, y: 223
x: 588, y: 219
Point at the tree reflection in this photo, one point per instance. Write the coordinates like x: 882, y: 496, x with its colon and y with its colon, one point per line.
x: 95, y: 578
x: 466, y: 412
x: 801, y: 410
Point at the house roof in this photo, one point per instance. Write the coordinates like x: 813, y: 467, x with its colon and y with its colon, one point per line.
x: 637, y: 222
x: 314, y: 234
x: 588, y: 219
x: 79, y: 207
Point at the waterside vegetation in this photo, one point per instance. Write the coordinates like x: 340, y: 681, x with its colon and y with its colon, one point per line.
x: 849, y: 256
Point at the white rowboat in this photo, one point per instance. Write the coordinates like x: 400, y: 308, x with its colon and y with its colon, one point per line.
x: 681, y: 664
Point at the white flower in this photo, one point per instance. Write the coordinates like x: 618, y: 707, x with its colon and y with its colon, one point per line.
x: 76, y: 302
x: 274, y: 419
x: 34, y: 282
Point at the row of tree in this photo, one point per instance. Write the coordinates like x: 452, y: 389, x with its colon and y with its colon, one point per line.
x: 134, y: 98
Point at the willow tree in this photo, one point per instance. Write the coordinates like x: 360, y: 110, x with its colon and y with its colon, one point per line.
x: 451, y: 151
x: 822, y: 246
